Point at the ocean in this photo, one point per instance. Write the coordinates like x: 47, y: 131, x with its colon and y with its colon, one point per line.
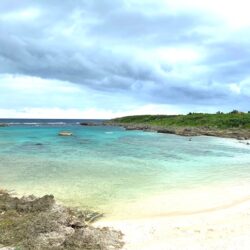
x: 109, y: 169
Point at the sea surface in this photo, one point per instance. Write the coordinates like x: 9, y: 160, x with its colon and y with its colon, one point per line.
x: 105, y: 168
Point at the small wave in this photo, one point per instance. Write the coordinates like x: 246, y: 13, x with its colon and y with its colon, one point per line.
x: 22, y: 123
x: 57, y: 123
x: 38, y: 124
x: 109, y: 132
x: 41, y: 122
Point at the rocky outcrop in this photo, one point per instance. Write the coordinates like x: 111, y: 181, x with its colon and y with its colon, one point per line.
x: 90, y: 124
x: 31, y: 223
x: 65, y: 133
x: 26, y: 204
x: 198, y: 131
x: 3, y: 125
x: 240, y: 134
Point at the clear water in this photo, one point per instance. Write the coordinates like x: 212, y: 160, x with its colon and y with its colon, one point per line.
x: 100, y: 167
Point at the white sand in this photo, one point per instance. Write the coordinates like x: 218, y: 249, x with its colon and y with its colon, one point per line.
x: 215, y: 224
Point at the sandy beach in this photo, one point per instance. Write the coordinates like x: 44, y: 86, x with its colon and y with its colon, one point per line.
x: 215, y: 224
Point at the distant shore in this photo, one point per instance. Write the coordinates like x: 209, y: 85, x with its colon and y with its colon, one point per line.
x: 231, y: 125
x: 239, y: 134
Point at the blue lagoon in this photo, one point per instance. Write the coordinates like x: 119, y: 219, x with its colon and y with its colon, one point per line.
x: 112, y: 170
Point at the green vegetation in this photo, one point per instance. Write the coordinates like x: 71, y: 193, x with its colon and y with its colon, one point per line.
x: 234, y: 119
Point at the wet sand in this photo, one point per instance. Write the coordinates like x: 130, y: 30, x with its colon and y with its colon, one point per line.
x: 222, y: 226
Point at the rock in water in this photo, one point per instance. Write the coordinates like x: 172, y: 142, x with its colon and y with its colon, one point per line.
x: 90, y: 124
x: 65, y: 133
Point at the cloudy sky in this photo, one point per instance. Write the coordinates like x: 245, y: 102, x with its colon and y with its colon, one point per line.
x: 108, y: 58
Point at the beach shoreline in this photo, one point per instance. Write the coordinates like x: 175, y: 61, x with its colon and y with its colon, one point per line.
x: 222, y: 227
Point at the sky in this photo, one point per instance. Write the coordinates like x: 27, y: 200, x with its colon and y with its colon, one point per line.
x: 104, y: 59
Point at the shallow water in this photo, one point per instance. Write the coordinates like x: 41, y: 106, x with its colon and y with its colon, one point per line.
x: 104, y: 168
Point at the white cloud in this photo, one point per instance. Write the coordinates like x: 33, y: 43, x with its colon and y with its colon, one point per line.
x: 234, y: 13
x: 235, y: 88
x: 21, y: 15
x: 36, y: 84
x: 88, y: 113
x: 177, y: 55
x: 101, y: 113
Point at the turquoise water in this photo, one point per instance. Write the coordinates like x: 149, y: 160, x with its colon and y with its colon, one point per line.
x: 99, y: 167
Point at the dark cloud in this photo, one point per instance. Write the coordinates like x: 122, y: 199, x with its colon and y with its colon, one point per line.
x: 128, y: 27
x: 229, y: 60
x: 99, y: 44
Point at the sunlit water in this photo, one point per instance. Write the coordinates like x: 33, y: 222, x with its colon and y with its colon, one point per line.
x: 104, y: 168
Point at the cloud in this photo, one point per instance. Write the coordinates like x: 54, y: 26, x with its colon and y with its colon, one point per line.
x: 164, y: 53
x: 85, y: 113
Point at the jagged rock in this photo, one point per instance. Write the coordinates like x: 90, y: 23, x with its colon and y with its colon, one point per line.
x: 241, y: 134
x: 3, y: 125
x: 26, y: 204
x: 31, y: 223
x: 241, y: 138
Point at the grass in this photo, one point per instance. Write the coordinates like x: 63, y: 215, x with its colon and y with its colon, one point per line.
x: 220, y: 120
